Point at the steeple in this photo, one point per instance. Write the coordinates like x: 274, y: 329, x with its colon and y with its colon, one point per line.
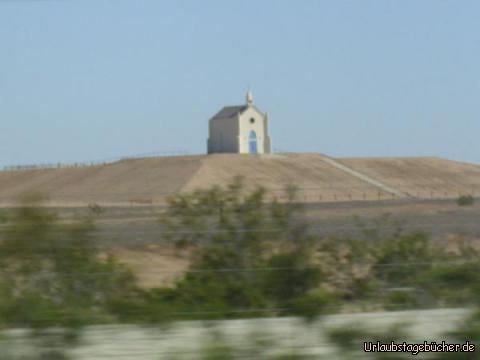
x: 249, y: 98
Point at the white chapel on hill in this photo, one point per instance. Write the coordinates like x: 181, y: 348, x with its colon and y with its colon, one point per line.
x: 241, y: 129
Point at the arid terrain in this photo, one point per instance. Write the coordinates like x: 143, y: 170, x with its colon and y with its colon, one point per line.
x: 341, y: 197
x: 149, y: 181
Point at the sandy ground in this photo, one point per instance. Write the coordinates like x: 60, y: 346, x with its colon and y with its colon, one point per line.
x: 154, y: 266
x: 149, y: 181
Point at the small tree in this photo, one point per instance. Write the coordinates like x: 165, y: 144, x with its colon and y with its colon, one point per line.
x: 249, y: 253
x: 465, y: 200
x: 52, y: 274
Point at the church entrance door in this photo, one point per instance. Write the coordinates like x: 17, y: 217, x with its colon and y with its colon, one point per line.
x: 252, y: 140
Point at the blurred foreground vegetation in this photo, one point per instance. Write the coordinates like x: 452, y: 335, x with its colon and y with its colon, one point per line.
x: 251, y: 257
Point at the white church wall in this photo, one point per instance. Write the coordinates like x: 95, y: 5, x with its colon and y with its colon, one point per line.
x: 223, y: 135
x: 246, y: 127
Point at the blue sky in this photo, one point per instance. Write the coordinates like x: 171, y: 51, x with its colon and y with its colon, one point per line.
x: 92, y: 79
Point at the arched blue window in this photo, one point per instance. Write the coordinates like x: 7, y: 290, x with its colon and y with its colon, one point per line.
x: 252, y: 140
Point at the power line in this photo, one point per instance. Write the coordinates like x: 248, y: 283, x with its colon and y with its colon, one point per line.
x: 259, y: 269
x: 360, y: 228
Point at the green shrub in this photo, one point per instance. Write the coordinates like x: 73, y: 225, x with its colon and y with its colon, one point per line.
x: 313, y: 304
x: 465, y: 200
x: 47, y: 268
x: 453, y: 285
x: 253, y: 256
x: 401, y: 299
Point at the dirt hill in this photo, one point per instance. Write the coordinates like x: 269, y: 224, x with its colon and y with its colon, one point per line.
x: 320, y: 178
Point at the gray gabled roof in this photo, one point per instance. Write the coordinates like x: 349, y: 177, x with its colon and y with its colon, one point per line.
x: 230, y: 111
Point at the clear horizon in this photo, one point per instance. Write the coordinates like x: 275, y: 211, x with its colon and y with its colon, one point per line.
x: 89, y: 80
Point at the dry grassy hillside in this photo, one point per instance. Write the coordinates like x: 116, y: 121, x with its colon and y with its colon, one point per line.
x: 423, y: 176
x: 314, y: 177
x: 136, y: 181
x: 150, y: 180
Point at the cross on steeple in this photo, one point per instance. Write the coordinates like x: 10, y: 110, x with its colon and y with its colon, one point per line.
x: 249, y: 98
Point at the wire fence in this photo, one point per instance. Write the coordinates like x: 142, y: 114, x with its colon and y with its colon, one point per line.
x: 276, y: 230
x: 155, y: 198
x: 103, y: 161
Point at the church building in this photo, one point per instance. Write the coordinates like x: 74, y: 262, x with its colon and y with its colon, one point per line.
x: 241, y: 129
